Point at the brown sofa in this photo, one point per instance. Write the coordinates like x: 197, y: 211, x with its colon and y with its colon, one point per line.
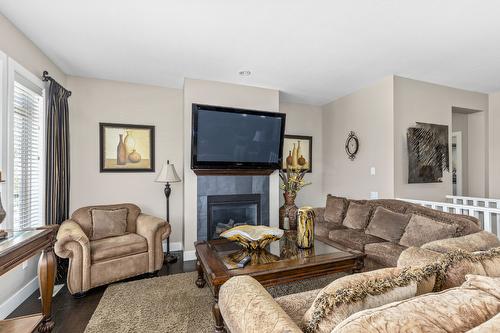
x: 383, y: 229
x: 94, y: 262
x: 452, y: 292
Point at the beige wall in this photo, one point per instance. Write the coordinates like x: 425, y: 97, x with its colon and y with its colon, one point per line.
x: 369, y: 113
x: 494, y: 145
x: 95, y: 101
x: 417, y: 101
x: 222, y: 94
x: 477, y: 154
x: 302, y: 119
x: 18, y: 47
x: 460, y: 124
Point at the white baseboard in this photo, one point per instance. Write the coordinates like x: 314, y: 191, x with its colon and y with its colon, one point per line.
x: 174, y: 246
x: 189, y: 255
x: 18, y: 298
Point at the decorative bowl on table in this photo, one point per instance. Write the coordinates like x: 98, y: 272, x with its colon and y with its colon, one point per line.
x: 253, y: 237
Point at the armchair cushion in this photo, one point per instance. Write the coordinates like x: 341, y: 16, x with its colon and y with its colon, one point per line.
x: 108, y: 222
x: 117, y: 247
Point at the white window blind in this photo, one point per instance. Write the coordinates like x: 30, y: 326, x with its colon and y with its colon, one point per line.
x: 27, y: 154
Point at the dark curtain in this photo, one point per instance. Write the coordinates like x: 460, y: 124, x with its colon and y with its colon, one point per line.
x: 57, y: 168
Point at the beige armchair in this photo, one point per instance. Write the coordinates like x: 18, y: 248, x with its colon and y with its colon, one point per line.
x: 98, y: 262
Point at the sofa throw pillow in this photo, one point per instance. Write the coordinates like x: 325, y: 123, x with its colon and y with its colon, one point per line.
x: 353, y: 293
x: 335, y: 209
x: 421, y: 230
x: 387, y: 225
x: 108, y: 222
x: 357, y: 215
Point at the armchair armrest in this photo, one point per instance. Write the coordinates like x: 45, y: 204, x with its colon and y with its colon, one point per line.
x: 155, y: 230
x: 70, y: 231
x: 73, y: 243
x: 247, y: 307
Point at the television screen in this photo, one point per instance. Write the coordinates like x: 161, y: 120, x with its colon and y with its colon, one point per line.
x: 236, y: 138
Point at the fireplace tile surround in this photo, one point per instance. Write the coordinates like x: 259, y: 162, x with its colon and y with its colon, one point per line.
x: 229, y: 185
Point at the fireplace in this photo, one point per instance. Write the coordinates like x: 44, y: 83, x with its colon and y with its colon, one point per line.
x: 227, y: 211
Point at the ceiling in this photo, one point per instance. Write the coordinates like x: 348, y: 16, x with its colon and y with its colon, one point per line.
x: 312, y: 51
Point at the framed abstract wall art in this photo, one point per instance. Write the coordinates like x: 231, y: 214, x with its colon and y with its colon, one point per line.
x: 428, y: 153
x: 126, y: 148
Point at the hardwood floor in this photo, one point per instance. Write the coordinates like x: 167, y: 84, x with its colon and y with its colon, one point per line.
x: 72, y: 315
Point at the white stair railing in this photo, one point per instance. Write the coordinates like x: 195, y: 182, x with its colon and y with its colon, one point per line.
x: 489, y: 217
x: 474, y: 201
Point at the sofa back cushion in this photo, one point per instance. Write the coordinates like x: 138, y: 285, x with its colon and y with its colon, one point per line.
x: 465, y: 224
x: 351, y: 294
x: 108, y: 222
x: 422, y: 229
x: 479, y: 241
x: 357, y: 216
x: 397, y: 206
x: 83, y: 217
x: 387, y: 224
x: 454, y: 310
x: 335, y: 209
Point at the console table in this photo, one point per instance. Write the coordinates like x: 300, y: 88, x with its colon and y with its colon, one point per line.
x: 17, y: 248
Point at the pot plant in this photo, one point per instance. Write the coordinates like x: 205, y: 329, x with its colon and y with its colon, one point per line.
x: 292, y: 181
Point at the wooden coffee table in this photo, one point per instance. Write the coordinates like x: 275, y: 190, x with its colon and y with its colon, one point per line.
x: 282, y: 262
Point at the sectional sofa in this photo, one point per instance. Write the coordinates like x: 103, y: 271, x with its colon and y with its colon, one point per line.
x: 383, y: 229
x: 456, y: 291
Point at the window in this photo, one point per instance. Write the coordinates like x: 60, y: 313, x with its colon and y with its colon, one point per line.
x: 26, y: 150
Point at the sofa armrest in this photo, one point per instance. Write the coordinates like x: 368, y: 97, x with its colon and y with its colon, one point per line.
x: 73, y: 243
x: 247, y: 307
x: 155, y: 230
x: 320, y: 214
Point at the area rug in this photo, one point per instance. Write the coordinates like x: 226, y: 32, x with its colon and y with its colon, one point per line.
x: 169, y: 304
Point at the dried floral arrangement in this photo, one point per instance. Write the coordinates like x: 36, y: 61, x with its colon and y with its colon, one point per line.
x: 293, y: 180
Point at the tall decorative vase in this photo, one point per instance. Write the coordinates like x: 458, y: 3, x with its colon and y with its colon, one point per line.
x: 121, y: 152
x: 289, y: 209
x: 129, y: 143
x: 305, y: 227
x: 295, y: 157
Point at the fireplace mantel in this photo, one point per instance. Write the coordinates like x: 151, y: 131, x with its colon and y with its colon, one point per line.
x: 233, y: 172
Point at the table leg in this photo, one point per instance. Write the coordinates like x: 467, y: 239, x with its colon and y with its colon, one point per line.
x: 219, y: 321
x: 46, y: 279
x: 200, y: 282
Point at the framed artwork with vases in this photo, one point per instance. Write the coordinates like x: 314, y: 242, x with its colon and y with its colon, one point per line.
x: 126, y: 148
x: 297, y: 152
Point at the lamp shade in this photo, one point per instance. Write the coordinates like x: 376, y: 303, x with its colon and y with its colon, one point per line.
x: 168, y: 174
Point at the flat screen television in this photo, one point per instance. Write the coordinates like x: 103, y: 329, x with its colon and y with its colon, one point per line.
x: 228, y: 138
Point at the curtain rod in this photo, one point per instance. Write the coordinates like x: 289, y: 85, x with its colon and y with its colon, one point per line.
x: 47, y: 77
